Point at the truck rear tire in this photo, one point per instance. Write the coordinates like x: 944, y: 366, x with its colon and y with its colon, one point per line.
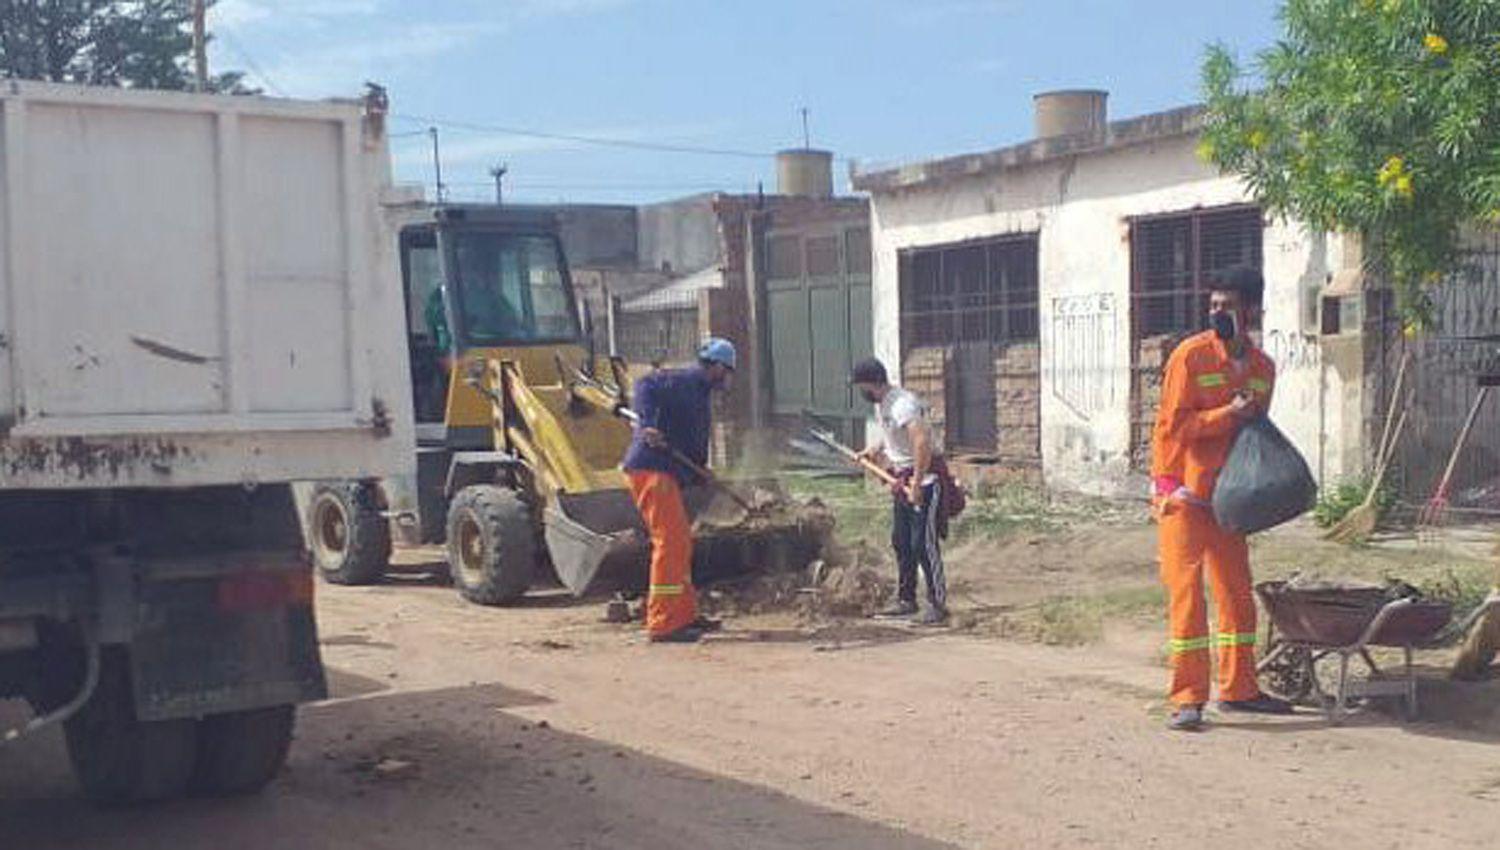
x: 350, y: 541
x: 239, y: 753
x: 119, y: 759
x: 492, y: 544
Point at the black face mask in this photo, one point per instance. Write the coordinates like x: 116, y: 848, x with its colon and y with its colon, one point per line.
x: 869, y: 395
x: 1223, y: 325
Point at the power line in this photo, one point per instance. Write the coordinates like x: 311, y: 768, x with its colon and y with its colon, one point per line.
x: 547, y: 184
x: 250, y: 63
x: 601, y: 141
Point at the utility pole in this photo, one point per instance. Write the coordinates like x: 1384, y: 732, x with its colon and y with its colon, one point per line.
x: 437, y: 163
x: 200, y: 45
x: 498, y: 172
x: 806, y: 136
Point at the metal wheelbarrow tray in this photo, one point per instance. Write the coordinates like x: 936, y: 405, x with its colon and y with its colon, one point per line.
x: 1312, y: 622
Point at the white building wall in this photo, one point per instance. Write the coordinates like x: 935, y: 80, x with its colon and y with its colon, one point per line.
x: 1081, y: 209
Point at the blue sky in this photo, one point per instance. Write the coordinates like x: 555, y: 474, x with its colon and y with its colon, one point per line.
x: 885, y: 81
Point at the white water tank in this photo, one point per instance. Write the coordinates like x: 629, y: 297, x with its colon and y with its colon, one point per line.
x: 804, y: 172
x: 1070, y: 112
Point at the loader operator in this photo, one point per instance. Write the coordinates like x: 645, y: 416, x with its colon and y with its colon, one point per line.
x: 675, y: 412
x: 1213, y: 382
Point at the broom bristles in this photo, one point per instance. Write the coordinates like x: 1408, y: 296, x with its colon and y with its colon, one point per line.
x: 1479, y: 649
x: 1356, y: 525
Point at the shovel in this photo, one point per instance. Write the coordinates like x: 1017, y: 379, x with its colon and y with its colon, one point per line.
x: 697, y: 469
x: 870, y: 466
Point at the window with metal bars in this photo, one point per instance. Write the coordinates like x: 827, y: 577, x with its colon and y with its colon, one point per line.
x: 974, y: 292
x: 1175, y: 258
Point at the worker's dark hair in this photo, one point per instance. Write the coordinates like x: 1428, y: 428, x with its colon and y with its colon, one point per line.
x: 869, y: 371
x: 1246, y: 280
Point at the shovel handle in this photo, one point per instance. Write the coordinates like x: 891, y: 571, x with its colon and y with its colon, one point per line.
x: 697, y: 469
x: 854, y: 457
x: 712, y: 479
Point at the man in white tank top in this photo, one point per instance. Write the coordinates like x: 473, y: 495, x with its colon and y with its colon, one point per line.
x: 909, y: 445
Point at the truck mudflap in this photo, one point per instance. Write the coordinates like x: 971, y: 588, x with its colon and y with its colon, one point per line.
x: 212, y: 640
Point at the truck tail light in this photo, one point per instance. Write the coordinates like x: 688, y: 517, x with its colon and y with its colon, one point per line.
x: 259, y: 591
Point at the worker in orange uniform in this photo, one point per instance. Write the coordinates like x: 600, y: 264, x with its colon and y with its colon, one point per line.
x: 675, y: 412
x: 1214, y: 381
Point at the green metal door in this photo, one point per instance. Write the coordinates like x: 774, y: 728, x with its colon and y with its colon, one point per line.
x: 818, y: 294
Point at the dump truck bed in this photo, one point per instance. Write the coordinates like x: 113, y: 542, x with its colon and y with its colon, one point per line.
x: 195, y: 290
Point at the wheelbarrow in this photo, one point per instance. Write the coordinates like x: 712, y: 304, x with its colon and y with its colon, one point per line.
x: 1311, y: 622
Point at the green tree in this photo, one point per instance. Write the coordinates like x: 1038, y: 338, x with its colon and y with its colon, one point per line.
x: 1380, y: 117
x: 132, y: 43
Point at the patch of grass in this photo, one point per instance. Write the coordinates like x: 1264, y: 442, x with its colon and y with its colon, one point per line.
x: 993, y: 512
x: 1462, y: 587
x: 860, y: 512
x: 1081, y: 620
x: 1279, y: 554
x: 1335, y: 502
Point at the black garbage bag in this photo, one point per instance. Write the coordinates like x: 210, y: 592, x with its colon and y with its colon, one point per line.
x: 1265, y: 481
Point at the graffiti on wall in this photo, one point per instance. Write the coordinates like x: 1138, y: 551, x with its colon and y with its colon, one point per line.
x: 1085, y: 337
x: 1292, y: 352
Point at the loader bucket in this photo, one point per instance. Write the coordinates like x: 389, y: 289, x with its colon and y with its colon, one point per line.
x: 586, y: 531
x: 597, y: 541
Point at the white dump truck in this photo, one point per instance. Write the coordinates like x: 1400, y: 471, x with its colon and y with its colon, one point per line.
x: 197, y: 302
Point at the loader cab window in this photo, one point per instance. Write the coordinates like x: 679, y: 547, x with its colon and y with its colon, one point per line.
x: 513, y: 289
x: 429, y: 344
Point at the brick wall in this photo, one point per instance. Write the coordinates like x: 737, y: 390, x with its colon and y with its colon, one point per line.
x: 1018, y: 403
x: 1018, y: 396
x: 925, y: 372
x: 1151, y: 357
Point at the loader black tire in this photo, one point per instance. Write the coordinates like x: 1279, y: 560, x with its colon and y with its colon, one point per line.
x: 492, y: 544
x: 239, y: 753
x: 119, y: 759
x: 349, y: 540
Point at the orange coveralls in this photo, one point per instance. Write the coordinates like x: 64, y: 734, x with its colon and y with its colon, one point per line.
x: 671, y: 602
x: 1194, y: 431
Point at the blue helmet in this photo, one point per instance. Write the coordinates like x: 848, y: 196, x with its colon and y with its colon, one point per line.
x: 717, y: 350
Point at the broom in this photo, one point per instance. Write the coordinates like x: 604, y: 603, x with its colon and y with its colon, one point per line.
x: 1357, y: 525
x: 1482, y: 644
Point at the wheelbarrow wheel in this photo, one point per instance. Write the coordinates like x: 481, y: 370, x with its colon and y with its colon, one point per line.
x: 1287, y: 672
x: 492, y: 548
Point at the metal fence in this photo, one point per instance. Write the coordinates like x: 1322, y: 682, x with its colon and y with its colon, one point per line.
x: 667, y: 336
x: 1449, y: 362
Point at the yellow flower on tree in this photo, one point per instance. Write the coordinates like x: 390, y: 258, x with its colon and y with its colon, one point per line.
x: 1394, y: 167
x: 1435, y: 43
x: 1403, y: 186
x: 1206, y: 151
x: 1257, y: 139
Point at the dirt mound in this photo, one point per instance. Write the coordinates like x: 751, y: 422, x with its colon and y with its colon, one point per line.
x: 848, y: 581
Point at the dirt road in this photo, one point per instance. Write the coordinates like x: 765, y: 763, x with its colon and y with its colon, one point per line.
x: 543, y: 727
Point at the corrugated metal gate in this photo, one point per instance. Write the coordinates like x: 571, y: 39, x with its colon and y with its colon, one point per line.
x: 1447, y: 365
x: 819, y: 323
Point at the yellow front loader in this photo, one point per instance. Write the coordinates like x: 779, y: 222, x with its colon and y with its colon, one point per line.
x: 518, y: 445
x: 567, y: 436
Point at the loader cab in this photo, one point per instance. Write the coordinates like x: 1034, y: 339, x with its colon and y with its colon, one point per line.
x: 480, y: 282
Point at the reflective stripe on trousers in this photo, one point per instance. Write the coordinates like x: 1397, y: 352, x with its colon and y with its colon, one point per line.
x: 1190, y: 544
x: 671, y: 603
